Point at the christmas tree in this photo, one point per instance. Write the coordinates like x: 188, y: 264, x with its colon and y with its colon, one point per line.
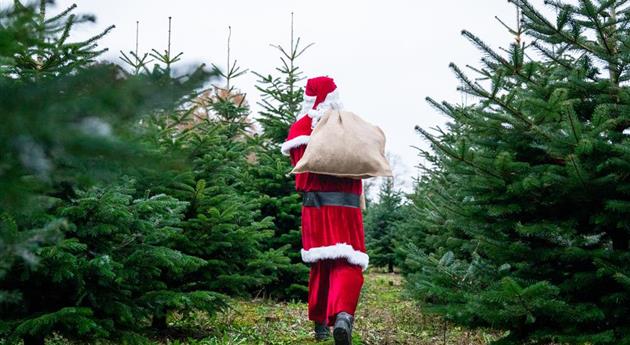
x: 525, y: 209
x: 79, y: 258
x: 281, y: 102
x: 281, y: 95
x: 224, y: 220
x: 42, y: 46
x: 381, y: 226
x: 214, y: 136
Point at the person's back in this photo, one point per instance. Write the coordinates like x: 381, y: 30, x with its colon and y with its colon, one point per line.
x: 333, y: 240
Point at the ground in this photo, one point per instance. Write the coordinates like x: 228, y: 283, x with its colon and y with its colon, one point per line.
x: 384, y: 317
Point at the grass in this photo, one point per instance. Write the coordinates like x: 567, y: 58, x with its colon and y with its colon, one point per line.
x: 384, y: 317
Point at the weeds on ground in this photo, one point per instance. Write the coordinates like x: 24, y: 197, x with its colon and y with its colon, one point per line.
x: 384, y: 317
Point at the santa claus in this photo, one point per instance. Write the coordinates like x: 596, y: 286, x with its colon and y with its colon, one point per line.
x: 332, y: 225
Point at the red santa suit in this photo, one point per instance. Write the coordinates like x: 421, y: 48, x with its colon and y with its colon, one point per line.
x: 333, y: 240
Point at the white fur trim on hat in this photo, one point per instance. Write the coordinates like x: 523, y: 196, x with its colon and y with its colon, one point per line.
x: 307, y: 105
x: 293, y: 143
x: 337, y: 251
x: 332, y: 101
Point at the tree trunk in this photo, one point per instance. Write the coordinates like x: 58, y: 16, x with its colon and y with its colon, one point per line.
x: 390, y: 267
x: 620, y: 240
x: 33, y: 340
x: 613, y: 67
x: 159, y: 322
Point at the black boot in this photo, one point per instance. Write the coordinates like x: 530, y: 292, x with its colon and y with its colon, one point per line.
x: 321, y: 331
x: 343, y: 329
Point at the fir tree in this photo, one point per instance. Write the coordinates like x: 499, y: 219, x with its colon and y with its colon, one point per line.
x: 281, y: 100
x: 49, y: 53
x: 106, y: 275
x: 110, y: 274
x: 381, y: 226
x: 281, y: 95
x: 526, y: 208
x: 223, y: 223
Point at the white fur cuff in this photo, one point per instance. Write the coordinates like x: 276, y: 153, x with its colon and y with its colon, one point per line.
x: 293, y: 143
x: 337, y: 251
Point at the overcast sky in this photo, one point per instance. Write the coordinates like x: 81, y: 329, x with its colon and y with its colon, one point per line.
x: 385, y: 56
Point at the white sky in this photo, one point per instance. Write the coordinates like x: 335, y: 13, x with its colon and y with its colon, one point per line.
x: 385, y: 56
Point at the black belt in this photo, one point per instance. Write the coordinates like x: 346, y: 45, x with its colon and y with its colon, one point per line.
x: 317, y: 199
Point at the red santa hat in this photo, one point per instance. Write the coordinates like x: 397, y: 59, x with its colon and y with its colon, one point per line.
x: 320, y: 95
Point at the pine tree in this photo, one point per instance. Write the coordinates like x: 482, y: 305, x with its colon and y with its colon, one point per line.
x: 86, y: 261
x: 418, y: 227
x: 281, y: 95
x: 526, y: 207
x: 223, y: 223
x: 111, y: 271
x: 49, y: 53
x: 381, y: 226
x: 281, y: 100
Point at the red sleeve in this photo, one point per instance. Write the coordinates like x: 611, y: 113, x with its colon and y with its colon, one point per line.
x: 297, y: 153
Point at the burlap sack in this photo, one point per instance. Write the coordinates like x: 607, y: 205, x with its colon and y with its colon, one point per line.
x: 343, y: 144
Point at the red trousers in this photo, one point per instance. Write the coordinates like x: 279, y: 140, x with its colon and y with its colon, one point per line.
x: 334, y: 286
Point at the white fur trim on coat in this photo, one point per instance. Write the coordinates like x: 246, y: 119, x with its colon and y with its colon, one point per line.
x: 337, y: 251
x: 293, y: 143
